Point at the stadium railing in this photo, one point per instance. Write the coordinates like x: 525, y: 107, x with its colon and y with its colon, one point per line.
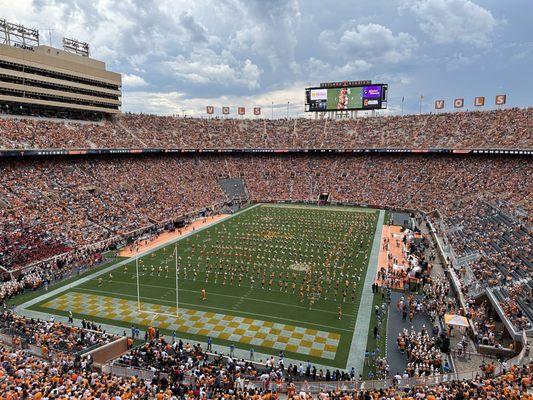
x: 128, y: 372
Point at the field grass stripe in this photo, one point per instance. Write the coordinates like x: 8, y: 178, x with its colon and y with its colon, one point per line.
x: 322, y: 208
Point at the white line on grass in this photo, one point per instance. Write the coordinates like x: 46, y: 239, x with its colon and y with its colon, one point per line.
x: 356, y: 356
x: 265, y: 317
x: 241, y: 299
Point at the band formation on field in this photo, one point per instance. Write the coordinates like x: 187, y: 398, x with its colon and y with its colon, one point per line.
x: 275, y: 278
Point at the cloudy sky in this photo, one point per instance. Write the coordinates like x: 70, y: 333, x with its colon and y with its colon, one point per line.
x: 178, y: 56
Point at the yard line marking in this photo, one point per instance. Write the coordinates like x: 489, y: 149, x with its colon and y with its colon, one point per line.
x: 265, y: 317
x: 234, y: 297
x: 239, y: 302
x: 154, y: 318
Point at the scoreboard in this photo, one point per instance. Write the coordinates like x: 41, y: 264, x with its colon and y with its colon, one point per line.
x: 348, y: 97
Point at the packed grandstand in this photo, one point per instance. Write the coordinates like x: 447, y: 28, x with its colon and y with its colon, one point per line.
x: 498, y: 129
x: 61, y: 213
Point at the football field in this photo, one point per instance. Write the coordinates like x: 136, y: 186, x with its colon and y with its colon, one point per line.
x: 276, y: 278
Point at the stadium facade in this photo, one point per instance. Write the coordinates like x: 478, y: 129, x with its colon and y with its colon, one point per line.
x: 43, y: 80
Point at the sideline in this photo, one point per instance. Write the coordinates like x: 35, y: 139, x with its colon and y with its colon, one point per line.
x: 356, y: 357
x: 167, y: 237
x: 352, y: 209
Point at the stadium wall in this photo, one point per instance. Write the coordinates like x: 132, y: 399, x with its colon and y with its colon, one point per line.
x: 161, y: 151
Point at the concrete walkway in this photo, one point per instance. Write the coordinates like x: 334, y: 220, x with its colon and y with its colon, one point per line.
x: 398, y: 361
x: 356, y: 357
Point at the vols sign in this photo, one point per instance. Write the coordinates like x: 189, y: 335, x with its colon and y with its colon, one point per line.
x: 479, y: 101
x: 257, y: 110
x: 242, y: 110
x: 459, y: 103
x: 439, y: 104
x: 210, y: 109
x: 225, y: 110
x: 500, y: 100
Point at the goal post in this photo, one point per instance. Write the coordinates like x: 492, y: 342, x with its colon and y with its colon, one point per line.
x: 175, y: 278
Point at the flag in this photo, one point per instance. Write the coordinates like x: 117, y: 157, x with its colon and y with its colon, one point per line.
x: 500, y: 100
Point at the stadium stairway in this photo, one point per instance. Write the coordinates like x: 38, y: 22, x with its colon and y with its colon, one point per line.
x: 234, y: 189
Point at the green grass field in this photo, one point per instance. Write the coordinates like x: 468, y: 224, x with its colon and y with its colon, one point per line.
x: 274, y: 278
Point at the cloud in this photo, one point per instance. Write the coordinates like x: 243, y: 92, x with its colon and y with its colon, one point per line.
x: 152, y: 102
x: 131, y: 80
x: 196, y: 31
x: 239, y: 50
x: 460, y: 60
x: 453, y: 21
x: 266, y: 28
x: 178, y: 103
x: 370, y: 42
x: 323, y: 70
x: 206, y: 67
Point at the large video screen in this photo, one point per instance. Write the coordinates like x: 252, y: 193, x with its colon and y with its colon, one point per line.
x: 367, y: 97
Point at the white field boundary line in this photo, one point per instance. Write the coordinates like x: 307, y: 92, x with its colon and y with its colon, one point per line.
x: 226, y: 310
x: 356, y: 355
x: 246, y: 296
x: 106, y: 270
x: 352, y: 209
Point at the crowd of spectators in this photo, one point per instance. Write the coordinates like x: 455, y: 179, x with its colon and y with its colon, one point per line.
x: 49, y: 271
x: 158, y: 354
x: 52, y: 336
x: 23, y: 375
x: 509, y: 128
x: 501, y: 252
x: 487, y: 334
x: 60, y: 205
x: 512, y: 385
x: 423, y: 355
x: 50, y: 207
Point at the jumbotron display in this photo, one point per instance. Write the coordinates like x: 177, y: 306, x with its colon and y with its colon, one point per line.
x: 345, y: 96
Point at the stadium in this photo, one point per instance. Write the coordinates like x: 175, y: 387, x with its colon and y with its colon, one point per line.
x: 344, y: 253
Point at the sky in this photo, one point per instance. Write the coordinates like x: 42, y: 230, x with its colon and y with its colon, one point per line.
x: 177, y: 57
